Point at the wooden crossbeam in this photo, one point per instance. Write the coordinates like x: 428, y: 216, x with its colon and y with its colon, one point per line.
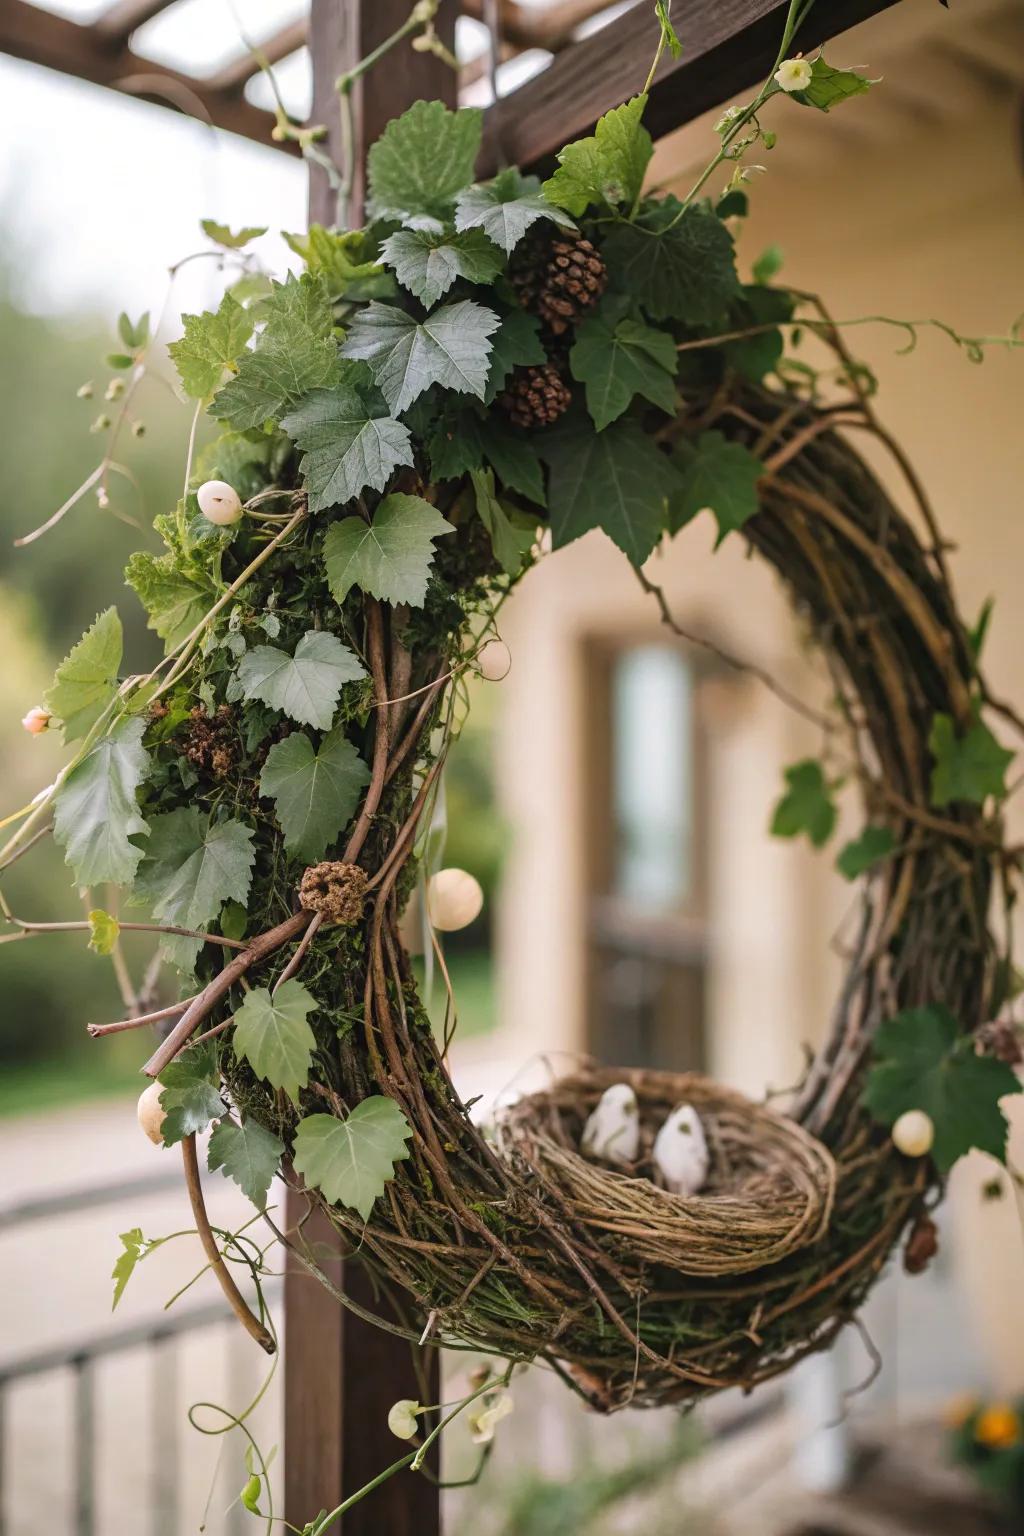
x: 41, y: 37
x: 728, y: 47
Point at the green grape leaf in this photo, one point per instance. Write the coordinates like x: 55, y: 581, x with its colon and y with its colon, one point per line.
x: 390, y: 557
x: 618, y: 361
x: 505, y: 208
x: 617, y: 480
x: 211, y: 345
x: 305, y: 686
x: 104, y: 932
x: 134, y: 1247
x: 273, y: 1035
x: 174, y: 603
x: 341, y: 259
x: 350, y: 1161
x: 423, y: 159
x: 719, y: 477
x: 315, y: 792
x: 95, y: 808
x: 247, y: 1153
x: 861, y: 854
x: 349, y: 442
x: 86, y: 680
x: 807, y: 805
x: 192, y: 866
x: 969, y: 767
x: 428, y: 262
x: 455, y: 445
x: 829, y: 86
x: 296, y: 353
x: 513, y: 459
x: 684, y: 272
x: 191, y: 1092
x: 608, y: 167
x: 231, y: 240
x: 516, y: 344
x: 510, y: 544
x: 923, y: 1061
x: 450, y: 347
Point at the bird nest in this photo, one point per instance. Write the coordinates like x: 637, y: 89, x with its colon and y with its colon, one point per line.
x: 633, y: 1295
x: 768, y: 1193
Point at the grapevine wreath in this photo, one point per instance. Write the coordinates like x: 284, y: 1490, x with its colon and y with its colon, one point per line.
x: 484, y: 371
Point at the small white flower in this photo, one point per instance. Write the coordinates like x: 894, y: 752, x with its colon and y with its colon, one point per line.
x: 793, y: 75
x: 402, y: 1418
x: 36, y: 721
x: 483, y: 1421
x: 727, y: 119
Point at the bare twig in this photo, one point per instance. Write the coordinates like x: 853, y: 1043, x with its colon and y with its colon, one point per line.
x: 237, y: 1302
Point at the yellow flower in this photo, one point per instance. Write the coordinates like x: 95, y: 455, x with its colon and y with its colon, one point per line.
x: 998, y: 1427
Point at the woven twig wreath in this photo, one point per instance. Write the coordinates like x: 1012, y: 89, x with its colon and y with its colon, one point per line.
x: 517, y: 1249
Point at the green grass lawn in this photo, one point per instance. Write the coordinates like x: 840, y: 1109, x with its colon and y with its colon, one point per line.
x: 111, y: 1066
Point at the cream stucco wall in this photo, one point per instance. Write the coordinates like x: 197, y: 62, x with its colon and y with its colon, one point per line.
x: 918, y: 214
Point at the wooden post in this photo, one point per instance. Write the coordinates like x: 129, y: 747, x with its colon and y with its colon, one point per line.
x: 341, y: 1374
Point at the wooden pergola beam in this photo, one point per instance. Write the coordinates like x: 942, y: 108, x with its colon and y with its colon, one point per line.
x: 42, y: 37
x: 727, y: 48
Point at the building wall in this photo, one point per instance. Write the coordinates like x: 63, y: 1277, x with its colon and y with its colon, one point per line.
x: 921, y: 216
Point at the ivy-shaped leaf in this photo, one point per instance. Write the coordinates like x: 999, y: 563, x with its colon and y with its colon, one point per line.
x: 607, y: 168
x: 423, y: 159
x: 86, y: 680
x: 295, y: 354
x: 450, y: 347
x: 427, y: 263
x: 861, y: 854
x: 516, y: 344
x: 247, y: 1153
x: 719, y: 477
x: 104, y: 932
x: 618, y: 360
x: 346, y: 261
x: 305, y: 686
x: 807, y: 806
x: 683, y: 270
x: 174, y: 603
x: 510, y: 544
x: 191, y: 1092
x: 350, y: 442
x: 969, y: 767
x: 95, y: 808
x: 514, y: 459
x: 389, y: 557
x: 315, y: 792
x: 617, y: 480
x: 273, y: 1035
x: 505, y: 208
x: 350, y: 1161
x: 924, y: 1062
x: 829, y: 86
x: 211, y: 345
x: 192, y: 866
x: 231, y: 240
x: 134, y: 1247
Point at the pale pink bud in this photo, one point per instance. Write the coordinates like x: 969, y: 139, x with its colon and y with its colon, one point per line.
x: 36, y: 721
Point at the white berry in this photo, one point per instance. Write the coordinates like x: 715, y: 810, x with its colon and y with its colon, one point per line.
x: 913, y: 1133
x: 151, y: 1113
x: 219, y: 502
x: 493, y: 661
x: 454, y: 899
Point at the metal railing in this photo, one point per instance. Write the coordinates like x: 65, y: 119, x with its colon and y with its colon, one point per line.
x: 78, y: 1360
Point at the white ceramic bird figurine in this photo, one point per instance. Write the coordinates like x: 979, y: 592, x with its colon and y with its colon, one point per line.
x: 612, y: 1131
x: 681, y: 1151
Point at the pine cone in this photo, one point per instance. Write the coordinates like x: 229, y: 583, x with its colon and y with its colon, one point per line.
x: 560, y: 279
x: 536, y: 397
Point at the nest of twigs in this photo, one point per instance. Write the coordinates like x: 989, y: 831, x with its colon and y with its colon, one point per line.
x: 768, y: 1193
x: 526, y: 1250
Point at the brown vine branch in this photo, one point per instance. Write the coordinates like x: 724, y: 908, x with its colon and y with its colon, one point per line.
x: 80, y: 926
x: 96, y: 1030
x: 237, y: 1302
